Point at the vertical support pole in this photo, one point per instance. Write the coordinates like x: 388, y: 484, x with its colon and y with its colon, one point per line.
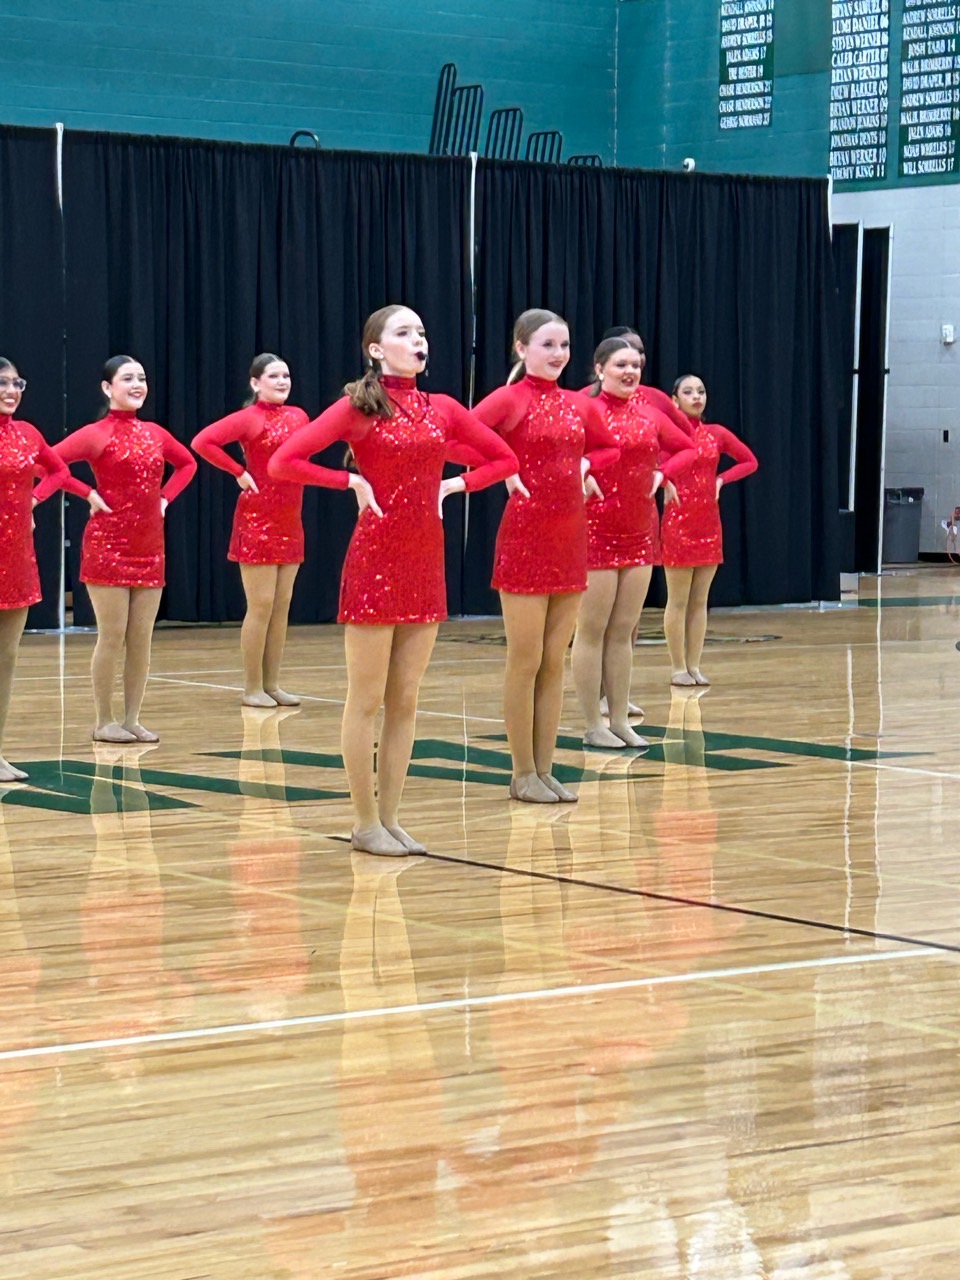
x: 62, y: 606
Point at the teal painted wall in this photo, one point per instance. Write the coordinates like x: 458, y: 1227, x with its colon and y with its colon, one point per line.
x: 360, y: 73
x: 635, y: 81
x: 668, y: 73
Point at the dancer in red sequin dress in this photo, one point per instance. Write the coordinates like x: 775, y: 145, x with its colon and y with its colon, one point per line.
x: 540, y: 566
x: 267, y: 538
x: 690, y: 533
x: 655, y: 399
x: 623, y: 541
x: 122, y: 560
x: 652, y: 396
x: 392, y: 594
x: 24, y: 454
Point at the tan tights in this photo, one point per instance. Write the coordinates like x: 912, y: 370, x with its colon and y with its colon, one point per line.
x: 384, y: 668
x: 12, y: 622
x: 538, y: 630
x: 125, y: 618
x: 603, y: 645
x: 268, y: 588
x: 685, y: 617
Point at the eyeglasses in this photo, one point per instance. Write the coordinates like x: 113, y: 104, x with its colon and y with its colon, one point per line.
x: 18, y: 384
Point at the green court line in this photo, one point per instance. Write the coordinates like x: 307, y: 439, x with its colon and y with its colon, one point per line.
x: 714, y: 742
x: 225, y: 786
x: 490, y: 767
x: 67, y: 786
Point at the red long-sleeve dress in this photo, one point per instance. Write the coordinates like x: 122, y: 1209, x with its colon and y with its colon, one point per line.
x: 125, y: 548
x: 542, y: 541
x: 690, y: 533
x: 393, y: 571
x: 267, y: 525
x: 24, y: 454
x: 656, y: 399
x: 624, y: 528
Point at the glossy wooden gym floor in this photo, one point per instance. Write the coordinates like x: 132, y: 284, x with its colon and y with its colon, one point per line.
x: 703, y: 1024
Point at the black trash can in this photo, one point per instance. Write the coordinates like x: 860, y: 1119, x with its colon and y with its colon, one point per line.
x: 902, y: 509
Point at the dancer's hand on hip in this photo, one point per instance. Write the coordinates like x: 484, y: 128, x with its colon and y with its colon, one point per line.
x: 97, y: 504
x: 363, y: 492
x: 515, y: 485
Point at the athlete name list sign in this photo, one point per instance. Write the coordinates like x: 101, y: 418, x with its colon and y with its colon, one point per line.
x: 859, y: 90
x: 746, y: 63
x: 930, y: 88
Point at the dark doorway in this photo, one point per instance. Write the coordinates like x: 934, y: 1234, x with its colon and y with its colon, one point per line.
x: 862, y: 267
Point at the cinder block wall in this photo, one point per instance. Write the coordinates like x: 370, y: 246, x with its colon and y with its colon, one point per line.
x: 360, y: 73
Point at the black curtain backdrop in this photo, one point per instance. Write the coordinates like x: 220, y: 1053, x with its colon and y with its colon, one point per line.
x: 31, y: 317
x: 727, y: 277
x: 194, y: 256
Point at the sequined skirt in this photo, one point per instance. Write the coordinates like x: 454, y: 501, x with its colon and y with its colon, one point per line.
x: 267, y: 534
x: 540, y: 550
x: 122, y: 550
x: 393, y: 572
x: 613, y: 544
x: 19, y: 579
x: 690, y: 535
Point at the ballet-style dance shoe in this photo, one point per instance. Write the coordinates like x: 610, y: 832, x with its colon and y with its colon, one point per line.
x: 141, y: 734
x: 628, y: 738
x: 700, y: 678
x: 563, y: 794
x: 407, y: 840
x: 283, y: 699
x: 377, y: 840
x: 605, y: 738
x: 262, y: 699
x: 114, y: 733
x: 531, y: 789
x: 683, y: 680
x: 10, y: 773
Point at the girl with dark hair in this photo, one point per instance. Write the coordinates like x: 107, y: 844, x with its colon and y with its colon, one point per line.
x: 122, y: 559
x: 623, y: 542
x: 267, y: 538
x: 24, y: 454
x: 652, y: 396
x: 540, y: 566
x: 392, y: 593
x: 690, y: 532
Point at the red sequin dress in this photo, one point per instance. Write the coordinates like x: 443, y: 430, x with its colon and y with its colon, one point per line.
x: 655, y: 399
x: 542, y: 540
x: 393, y: 571
x: 690, y: 533
x: 267, y: 526
x: 24, y: 454
x: 125, y: 548
x: 624, y: 528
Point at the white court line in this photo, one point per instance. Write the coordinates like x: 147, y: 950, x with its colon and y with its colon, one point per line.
x: 335, y: 666
x: 338, y: 702
x: 462, y: 1002
x: 903, y: 768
